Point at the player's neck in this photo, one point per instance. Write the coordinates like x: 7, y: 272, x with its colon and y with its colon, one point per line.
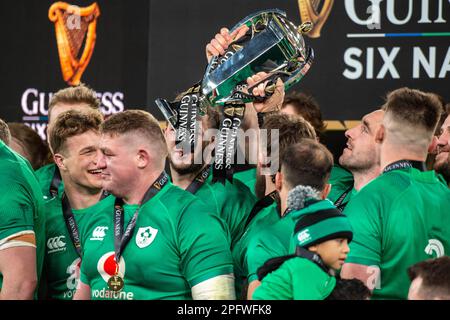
x: 390, y: 154
x: 283, y: 206
x: 140, y: 186
x: 364, y: 177
x: 283, y: 201
x: 81, y: 197
x: 183, y: 180
x: 270, y: 186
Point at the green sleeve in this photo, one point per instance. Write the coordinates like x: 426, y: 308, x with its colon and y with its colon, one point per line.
x: 260, y: 249
x: 44, y: 176
x: 363, y: 213
x: 204, y: 247
x: 237, y: 204
x: 83, y: 277
x: 277, y: 285
x: 248, y: 178
x: 340, y: 180
x: 296, y: 279
x: 17, y: 210
x: 309, y: 281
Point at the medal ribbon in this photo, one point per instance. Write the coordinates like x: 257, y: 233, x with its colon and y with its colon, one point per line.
x: 341, y: 206
x: 187, y: 127
x: 71, y: 224
x: 404, y: 164
x: 199, y: 180
x: 121, y: 238
x: 261, y: 204
x: 56, y: 181
x: 226, y: 147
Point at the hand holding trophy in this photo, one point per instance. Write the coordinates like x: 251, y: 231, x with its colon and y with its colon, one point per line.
x: 222, y: 40
x: 265, y: 48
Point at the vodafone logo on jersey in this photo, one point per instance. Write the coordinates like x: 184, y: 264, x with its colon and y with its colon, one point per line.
x: 106, y: 266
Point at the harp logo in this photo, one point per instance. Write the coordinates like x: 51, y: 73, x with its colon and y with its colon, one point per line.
x: 73, y: 26
x: 317, y: 12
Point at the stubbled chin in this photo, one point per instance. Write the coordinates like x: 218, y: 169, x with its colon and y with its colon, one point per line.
x: 441, y: 159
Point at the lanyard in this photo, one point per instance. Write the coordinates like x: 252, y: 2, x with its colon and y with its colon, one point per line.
x: 71, y: 224
x: 56, y: 181
x: 121, y: 238
x: 261, y: 204
x: 199, y: 180
x: 404, y: 164
x: 311, y: 256
x: 338, y: 203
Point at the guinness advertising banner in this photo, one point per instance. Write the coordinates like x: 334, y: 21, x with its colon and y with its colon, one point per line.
x: 132, y: 52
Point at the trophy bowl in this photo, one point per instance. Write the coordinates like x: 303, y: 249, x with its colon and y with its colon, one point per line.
x: 272, y: 44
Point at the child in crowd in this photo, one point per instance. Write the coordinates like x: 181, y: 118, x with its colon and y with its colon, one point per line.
x: 321, y: 238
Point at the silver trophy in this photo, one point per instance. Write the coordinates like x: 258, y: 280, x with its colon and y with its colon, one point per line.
x: 273, y: 45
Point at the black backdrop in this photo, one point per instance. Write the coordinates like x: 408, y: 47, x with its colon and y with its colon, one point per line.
x: 149, y: 49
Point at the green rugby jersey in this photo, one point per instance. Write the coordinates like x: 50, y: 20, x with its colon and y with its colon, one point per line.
x: 398, y: 219
x: 45, y: 176
x: 62, y: 263
x: 341, y: 181
x: 296, y: 279
x: 266, y: 217
x: 276, y: 240
x: 176, y: 244
x: 232, y: 202
x: 21, y: 202
x: 272, y: 241
x: 247, y: 177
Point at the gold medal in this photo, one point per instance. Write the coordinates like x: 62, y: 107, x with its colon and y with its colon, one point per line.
x: 115, y: 283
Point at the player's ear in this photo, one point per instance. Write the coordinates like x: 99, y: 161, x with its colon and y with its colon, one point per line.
x: 59, y: 161
x: 142, y: 158
x: 279, y: 181
x: 326, y: 191
x: 379, y: 136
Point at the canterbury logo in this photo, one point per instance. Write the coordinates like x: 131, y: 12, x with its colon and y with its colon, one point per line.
x: 99, y: 233
x: 304, y: 236
x: 72, y: 25
x: 56, y: 244
x: 309, y: 11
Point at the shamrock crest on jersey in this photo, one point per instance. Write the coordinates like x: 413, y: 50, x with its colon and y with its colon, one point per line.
x: 145, y: 236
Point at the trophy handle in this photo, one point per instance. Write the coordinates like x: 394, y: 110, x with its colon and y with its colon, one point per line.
x: 306, y: 27
x: 253, y: 15
x: 167, y: 111
x: 272, y: 76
